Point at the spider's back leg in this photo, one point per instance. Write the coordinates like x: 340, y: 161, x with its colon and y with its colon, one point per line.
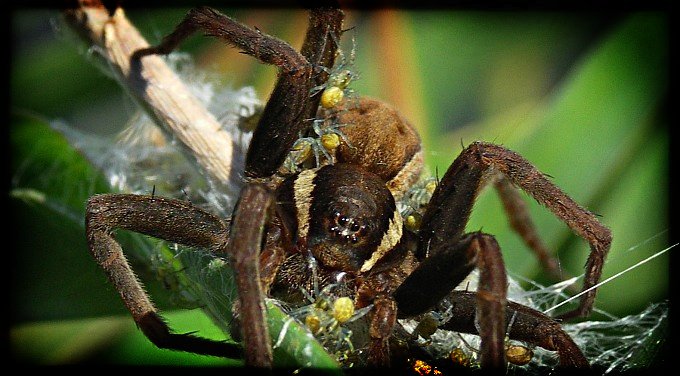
x: 528, y: 325
x: 521, y: 222
x: 172, y: 220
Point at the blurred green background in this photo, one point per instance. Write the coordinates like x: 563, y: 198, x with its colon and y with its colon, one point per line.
x: 581, y: 95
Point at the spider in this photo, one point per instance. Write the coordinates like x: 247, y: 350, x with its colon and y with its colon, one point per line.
x: 339, y: 224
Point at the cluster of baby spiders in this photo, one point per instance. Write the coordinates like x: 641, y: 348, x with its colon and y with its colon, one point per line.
x: 329, y: 318
x: 446, y: 352
x: 327, y: 132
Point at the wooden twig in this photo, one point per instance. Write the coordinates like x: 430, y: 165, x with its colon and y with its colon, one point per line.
x: 156, y: 88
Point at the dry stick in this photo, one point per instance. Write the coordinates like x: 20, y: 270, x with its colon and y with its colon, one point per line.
x: 156, y: 88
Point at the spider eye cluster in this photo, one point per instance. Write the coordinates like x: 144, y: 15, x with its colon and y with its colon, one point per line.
x: 346, y: 227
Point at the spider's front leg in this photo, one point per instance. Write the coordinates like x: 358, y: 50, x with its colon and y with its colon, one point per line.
x: 450, y: 206
x: 252, y: 214
x: 449, y: 255
x: 168, y: 219
x: 179, y: 222
x: 291, y: 108
x: 430, y: 282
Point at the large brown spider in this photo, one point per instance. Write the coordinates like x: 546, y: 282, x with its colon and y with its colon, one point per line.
x: 338, y: 223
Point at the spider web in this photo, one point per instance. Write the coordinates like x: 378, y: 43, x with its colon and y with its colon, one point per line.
x: 612, y: 344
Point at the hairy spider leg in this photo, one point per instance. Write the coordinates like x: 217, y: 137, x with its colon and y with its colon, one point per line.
x: 444, y: 269
x: 382, y: 323
x: 450, y: 206
x: 528, y: 325
x: 289, y: 106
x: 520, y: 222
x: 253, y: 211
x: 164, y: 219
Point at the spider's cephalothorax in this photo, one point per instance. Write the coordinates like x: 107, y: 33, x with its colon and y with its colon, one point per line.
x: 342, y: 214
x: 338, y: 224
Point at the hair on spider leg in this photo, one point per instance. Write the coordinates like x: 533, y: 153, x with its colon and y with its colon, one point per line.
x: 186, y: 195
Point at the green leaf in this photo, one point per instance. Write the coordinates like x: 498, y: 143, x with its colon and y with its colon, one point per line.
x: 601, y: 137
x: 52, y: 182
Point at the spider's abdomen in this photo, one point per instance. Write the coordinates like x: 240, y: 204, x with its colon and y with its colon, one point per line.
x: 345, y: 216
x: 380, y: 140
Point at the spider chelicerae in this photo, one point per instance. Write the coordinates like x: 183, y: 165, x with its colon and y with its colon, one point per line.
x: 338, y: 223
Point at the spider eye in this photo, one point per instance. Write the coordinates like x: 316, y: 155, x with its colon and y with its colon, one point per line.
x: 346, y: 227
